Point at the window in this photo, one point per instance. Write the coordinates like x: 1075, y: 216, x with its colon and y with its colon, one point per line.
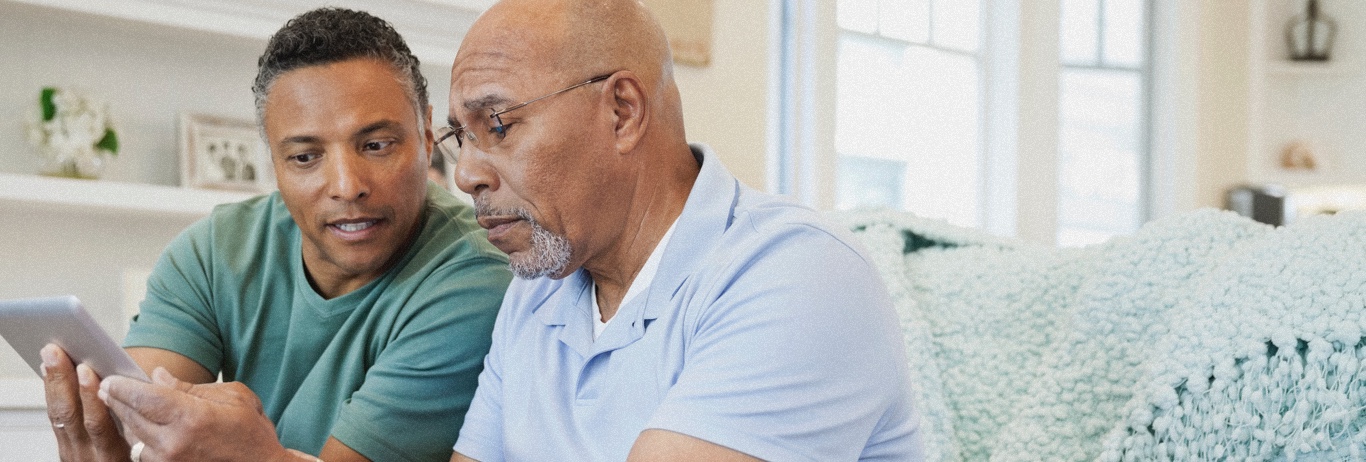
x: 1027, y: 119
x: 908, y: 107
x: 1103, y: 117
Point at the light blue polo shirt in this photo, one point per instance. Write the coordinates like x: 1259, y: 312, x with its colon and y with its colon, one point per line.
x: 765, y: 331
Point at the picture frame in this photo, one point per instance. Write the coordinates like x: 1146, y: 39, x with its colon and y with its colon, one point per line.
x: 688, y: 24
x: 223, y: 153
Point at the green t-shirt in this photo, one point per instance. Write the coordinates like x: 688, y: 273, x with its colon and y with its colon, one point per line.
x: 388, y: 369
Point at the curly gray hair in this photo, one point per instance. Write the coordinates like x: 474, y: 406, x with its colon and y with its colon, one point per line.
x: 329, y: 35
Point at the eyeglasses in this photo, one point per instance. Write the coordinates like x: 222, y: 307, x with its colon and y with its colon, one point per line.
x: 496, y: 131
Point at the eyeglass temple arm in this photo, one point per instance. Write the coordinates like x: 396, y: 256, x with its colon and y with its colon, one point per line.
x: 571, y: 87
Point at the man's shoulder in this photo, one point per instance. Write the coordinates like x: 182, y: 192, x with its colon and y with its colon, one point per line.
x: 249, y: 213
x: 240, y: 225
x: 765, y: 225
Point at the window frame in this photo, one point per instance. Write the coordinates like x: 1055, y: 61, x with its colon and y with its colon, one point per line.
x: 1020, y: 128
x: 1144, y: 143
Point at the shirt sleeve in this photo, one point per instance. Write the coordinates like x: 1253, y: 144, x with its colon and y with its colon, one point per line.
x: 795, y: 355
x: 413, y: 402
x: 482, y: 436
x: 177, y: 312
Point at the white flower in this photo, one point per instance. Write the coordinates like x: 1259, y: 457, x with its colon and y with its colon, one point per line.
x: 78, y: 125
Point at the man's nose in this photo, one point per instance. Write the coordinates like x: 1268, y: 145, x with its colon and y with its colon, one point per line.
x: 348, y: 178
x: 473, y: 174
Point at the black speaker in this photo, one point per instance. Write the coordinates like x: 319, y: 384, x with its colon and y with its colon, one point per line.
x: 1263, y: 203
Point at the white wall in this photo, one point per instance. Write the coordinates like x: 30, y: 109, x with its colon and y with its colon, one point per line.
x: 1293, y: 102
x: 1252, y: 103
x: 725, y: 105
x: 1223, y: 100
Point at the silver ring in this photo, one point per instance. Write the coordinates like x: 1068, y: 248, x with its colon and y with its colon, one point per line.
x: 136, y: 453
x: 59, y: 426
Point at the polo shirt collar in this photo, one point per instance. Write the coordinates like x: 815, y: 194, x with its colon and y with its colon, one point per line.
x: 707, y: 215
x: 569, y: 308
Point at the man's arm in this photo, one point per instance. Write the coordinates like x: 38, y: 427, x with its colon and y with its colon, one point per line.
x: 181, y: 367
x: 336, y: 451
x: 663, y: 445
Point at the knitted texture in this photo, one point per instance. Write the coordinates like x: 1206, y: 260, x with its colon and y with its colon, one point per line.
x: 1153, y: 346
x: 1264, y: 358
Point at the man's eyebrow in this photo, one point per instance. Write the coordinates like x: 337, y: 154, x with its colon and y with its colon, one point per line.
x: 377, y: 126
x: 485, y: 102
x: 301, y: 139
x: 477, y: 104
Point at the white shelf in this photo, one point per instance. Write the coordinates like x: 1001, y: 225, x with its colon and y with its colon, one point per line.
x: 22, y: 394
x: 1286, y: 68
x: 110, y: 196
x: 432, y: 28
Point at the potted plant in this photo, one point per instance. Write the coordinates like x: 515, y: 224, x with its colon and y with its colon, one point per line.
x: 74, y: 134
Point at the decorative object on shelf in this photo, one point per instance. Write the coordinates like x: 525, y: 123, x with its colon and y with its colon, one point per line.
x: 688, y: 24
x: 1298, y: 155
x: 1310, y: 35
x: 74, y: 134
x: 222, y: 153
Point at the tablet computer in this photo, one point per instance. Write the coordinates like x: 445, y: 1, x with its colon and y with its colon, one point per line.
x: 32, y: 323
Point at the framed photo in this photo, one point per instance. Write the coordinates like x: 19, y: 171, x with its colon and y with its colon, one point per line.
x: 223, y: 153
x: 688, y: 23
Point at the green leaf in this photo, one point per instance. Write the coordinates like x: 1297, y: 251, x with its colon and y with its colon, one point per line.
x: 110, y: 142
x: 49, y: 108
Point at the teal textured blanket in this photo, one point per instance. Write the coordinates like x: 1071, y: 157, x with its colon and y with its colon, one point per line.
x: 1202, y: 336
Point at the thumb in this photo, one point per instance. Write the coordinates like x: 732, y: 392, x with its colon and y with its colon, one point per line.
x: 162, y: 377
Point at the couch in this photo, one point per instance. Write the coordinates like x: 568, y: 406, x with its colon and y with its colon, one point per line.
x: 1203, y: 336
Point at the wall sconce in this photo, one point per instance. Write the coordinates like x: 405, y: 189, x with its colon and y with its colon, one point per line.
x: 1310, y: 35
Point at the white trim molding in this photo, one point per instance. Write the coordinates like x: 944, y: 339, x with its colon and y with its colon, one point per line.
x: 432, y: 28
x: 22, y: 394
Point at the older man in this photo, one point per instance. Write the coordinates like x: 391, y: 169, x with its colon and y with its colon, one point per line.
x: 664, y: 311
x: 357, y: 302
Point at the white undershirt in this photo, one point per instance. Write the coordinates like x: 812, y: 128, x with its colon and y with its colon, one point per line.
x: 639, y: 285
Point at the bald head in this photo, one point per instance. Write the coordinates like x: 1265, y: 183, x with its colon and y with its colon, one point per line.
x: 540, y: 45
x: 604, y: 165
x: 577, y: 36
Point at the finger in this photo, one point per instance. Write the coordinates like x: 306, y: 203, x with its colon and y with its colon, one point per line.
x: 135, y: 425
x: 144, y: 408
x: 59, y: 386
x: 99, y: 425
x: 63, y: 400
x: 230, y: 393
x: 163, y: 377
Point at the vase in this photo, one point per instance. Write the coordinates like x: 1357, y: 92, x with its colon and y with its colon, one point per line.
x: 83, y: 167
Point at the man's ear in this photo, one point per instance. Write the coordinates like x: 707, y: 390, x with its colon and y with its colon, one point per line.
x: 630, y: 108
x: 428, y: 136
